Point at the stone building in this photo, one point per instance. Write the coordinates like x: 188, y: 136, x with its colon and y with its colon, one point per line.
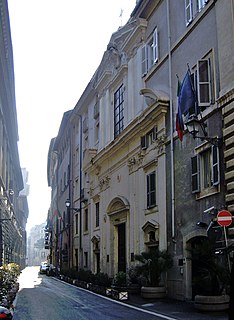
x: 13, y: 207
x: 134, y: 185
x: 36, y: 252
x: 59, y: 226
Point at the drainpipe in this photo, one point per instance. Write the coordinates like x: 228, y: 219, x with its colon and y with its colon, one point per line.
x: 81, y: 256
x: 171, y: 125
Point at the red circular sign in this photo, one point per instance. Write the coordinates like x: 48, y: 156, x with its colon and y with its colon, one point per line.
x: 224, y: 218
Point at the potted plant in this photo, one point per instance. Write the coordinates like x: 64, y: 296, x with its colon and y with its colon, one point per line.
x: 211, y: 278
x: 120, y: 281
x: 153, y: 264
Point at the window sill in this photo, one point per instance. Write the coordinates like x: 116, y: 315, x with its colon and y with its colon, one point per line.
x: 151, y: 210
x: 207, y: 192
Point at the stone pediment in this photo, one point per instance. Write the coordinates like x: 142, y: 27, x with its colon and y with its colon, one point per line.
x: 150, y: 225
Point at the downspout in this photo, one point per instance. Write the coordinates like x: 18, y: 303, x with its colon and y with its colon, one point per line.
x: 81, y: 256
x: 171, y: 126
x: 69, y: 211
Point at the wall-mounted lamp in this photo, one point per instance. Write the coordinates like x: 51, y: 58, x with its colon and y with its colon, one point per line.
x: 68, y: 205
x: 202, y: 224
x: 195, y: 125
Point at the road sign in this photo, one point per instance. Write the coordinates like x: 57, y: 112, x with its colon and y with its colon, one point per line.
x: 224, y: 218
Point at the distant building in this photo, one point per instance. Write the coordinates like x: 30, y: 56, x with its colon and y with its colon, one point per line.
x: 36, y: 246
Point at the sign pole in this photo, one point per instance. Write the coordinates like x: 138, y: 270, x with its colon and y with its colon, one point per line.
x: 226, y: 242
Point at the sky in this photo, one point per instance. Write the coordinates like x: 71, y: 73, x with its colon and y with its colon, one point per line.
x: 57, y: 46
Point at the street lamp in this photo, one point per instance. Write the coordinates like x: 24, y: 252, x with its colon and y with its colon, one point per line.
x: 194, y: 125
x: 68, y: 205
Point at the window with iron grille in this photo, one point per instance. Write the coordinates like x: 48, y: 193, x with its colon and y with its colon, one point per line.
x: 118, y: 111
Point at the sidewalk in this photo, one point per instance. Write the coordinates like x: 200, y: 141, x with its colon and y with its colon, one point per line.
x: 174, y: 309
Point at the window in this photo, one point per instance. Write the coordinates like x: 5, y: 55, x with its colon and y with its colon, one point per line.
x: 76, y: 223
x: 151, y: 190
x: 150, y: 53
x: 118, y: 111
x: 192, y: 8
x: 97, y: 215
x: 65, y: 180
x: 96, y: 132
x: 86, y: 220
x: 205, y: 169
x: 96, y: 110
x: 149, y: 138
x: 188, y: 11
x: 85, y: 259
x: 203, y: 80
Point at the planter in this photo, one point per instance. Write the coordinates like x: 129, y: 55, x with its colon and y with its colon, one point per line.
x: 134, y: 288
x: 211, y: 303
x: 153, y: 292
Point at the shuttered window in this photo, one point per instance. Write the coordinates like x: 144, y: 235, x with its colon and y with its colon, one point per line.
x: 188, y: 11
x: 215, y: 166
x: 195, y: 174
x: 151, y: 190
x: 205, y: 169
x: 150, y: 53
x: 204, y: 83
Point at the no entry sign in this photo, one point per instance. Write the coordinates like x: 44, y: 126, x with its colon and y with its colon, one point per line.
x: 224, y: 218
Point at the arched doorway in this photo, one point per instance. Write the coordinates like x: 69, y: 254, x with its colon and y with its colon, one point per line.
x: 118, y: 212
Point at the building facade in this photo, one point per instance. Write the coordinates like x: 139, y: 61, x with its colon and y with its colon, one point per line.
x: 36, y: 251
x: 13, y: 207
x: 134, y: 185
x: 59, y: 225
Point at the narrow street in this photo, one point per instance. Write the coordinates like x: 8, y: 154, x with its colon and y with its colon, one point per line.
x: 41, y: 297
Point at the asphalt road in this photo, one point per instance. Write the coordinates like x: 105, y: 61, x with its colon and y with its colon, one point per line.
x: 41, y: 297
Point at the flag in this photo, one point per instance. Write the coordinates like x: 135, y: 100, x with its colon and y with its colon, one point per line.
x: 179, y: 118
x: 187, y: 95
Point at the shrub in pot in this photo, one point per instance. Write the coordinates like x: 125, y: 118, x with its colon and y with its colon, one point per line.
x: 212, y: 277
x: 152, y: 265
x: 120, y: 280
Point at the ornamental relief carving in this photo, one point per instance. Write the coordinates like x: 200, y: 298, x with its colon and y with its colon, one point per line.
x: 135, y: 162
x: 104, y: 183
x: 161, y: 141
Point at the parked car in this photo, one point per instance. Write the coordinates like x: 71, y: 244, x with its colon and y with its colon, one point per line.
x: 51, y: 270
x: 43, y: 267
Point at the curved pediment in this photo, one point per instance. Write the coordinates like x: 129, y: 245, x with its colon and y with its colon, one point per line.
x: 151, y: 97
x: 118, y: 204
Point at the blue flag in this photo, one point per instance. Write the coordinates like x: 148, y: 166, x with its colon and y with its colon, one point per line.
x: 187, y: 95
